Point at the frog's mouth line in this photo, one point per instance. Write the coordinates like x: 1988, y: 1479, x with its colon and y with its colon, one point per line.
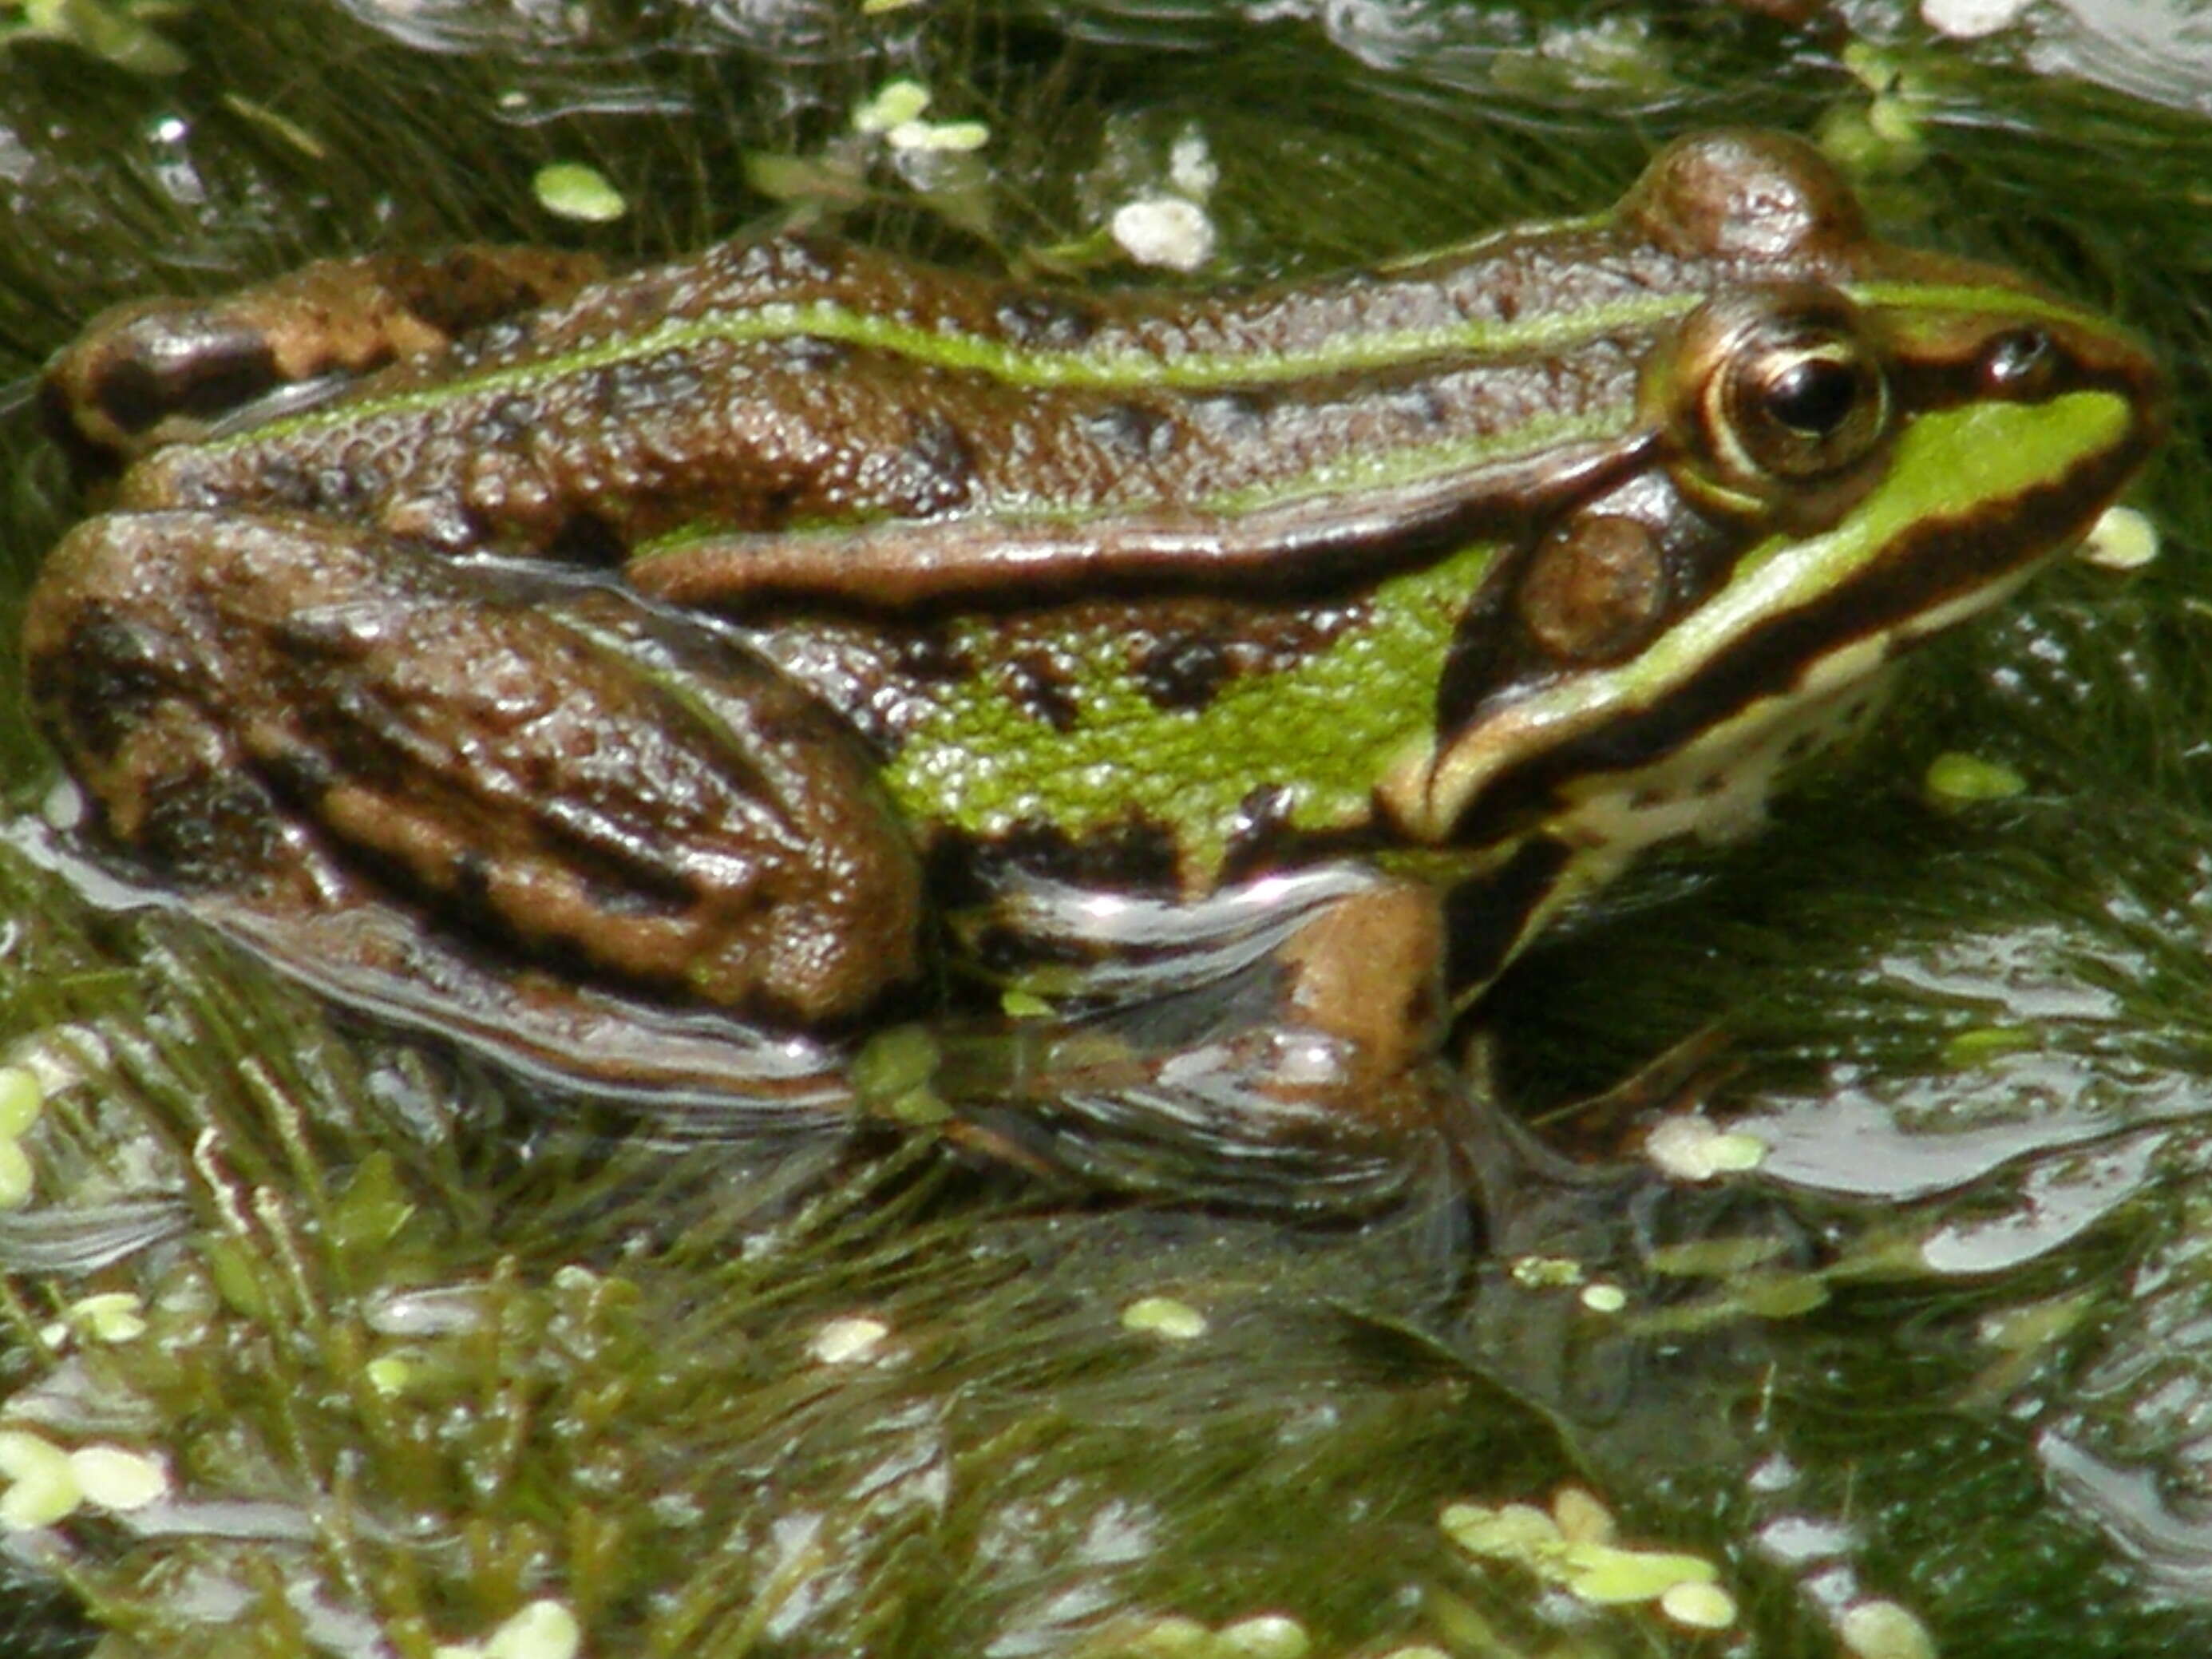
x: 1516, y: 767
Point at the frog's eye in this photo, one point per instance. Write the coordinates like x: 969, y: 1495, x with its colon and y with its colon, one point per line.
x: 1799, y: 403
x: 1771, y: 395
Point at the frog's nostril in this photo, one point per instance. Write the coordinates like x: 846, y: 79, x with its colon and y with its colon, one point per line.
x: 2020, y: 363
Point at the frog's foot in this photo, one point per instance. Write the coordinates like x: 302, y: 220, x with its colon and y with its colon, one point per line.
x: 157, y: 371
x: 683, y: 1077
x: 1274, y: 1045
x: 298, y: 720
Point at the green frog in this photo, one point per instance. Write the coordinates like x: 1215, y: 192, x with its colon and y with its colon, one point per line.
x: 711, y: 640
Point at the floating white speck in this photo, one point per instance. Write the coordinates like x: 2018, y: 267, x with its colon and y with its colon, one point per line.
x: 2121, y: 539
x: 1689, y: 1147
x: 544, y: 1630
x: 848, y: 1341
x: 1699, y: 1607
x: 42, y: 1487
x: 1163, y: 1315
x: 895, y: 104
x: 1883, y: 1630
x: 1166, y: 231
x: 1265, y: 1636
x: 1966, y: 20
x: 117, y: 1478
x: 1191, y: 167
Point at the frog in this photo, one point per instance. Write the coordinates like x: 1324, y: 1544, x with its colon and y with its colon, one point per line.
x: 699, y: 652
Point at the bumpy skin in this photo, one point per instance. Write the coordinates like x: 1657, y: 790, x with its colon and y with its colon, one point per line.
x: 1148, y: 590
x: 654, y: 402
x: 705, y: 829
x: 155, y: 372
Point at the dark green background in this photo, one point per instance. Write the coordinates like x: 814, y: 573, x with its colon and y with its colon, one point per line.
x: 2008, y: 1002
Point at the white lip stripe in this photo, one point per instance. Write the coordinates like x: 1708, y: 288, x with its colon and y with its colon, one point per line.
x: 1981, y: 452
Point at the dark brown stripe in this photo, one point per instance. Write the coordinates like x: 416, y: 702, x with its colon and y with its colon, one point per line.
x: 1938, y: 563
x: 1284, y: 548
x: 1487, y: 918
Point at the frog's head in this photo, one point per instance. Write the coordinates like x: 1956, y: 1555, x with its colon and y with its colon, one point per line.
x: 1836, y: 449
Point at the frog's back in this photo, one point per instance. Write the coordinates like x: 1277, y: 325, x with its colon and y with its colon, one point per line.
x: 802, y: 384
x: 1513, y: 559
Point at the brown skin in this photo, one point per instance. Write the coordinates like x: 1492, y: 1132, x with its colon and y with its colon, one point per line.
x: 758, y: 435
x: 155, y: 372
x: 282, y: 693
x: 711, y: 832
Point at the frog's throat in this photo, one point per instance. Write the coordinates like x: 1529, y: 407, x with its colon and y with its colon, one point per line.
x: 1797, y: 609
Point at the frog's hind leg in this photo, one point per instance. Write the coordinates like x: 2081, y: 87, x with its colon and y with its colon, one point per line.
x: 133, y: 685
x: 305, y: 720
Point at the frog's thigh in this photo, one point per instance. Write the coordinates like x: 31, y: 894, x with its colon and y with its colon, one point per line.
x: 507, y: 762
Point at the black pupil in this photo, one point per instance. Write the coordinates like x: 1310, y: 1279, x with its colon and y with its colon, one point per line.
x: 1813, y: 395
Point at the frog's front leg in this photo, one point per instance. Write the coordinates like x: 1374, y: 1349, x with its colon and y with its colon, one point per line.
x: 304, y: 720
x: 1365, y: 975
x: 1276, y: 1043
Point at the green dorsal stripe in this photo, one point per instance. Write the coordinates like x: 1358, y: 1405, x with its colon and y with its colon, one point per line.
x: 974, y: 354
x: 1124, y: 370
